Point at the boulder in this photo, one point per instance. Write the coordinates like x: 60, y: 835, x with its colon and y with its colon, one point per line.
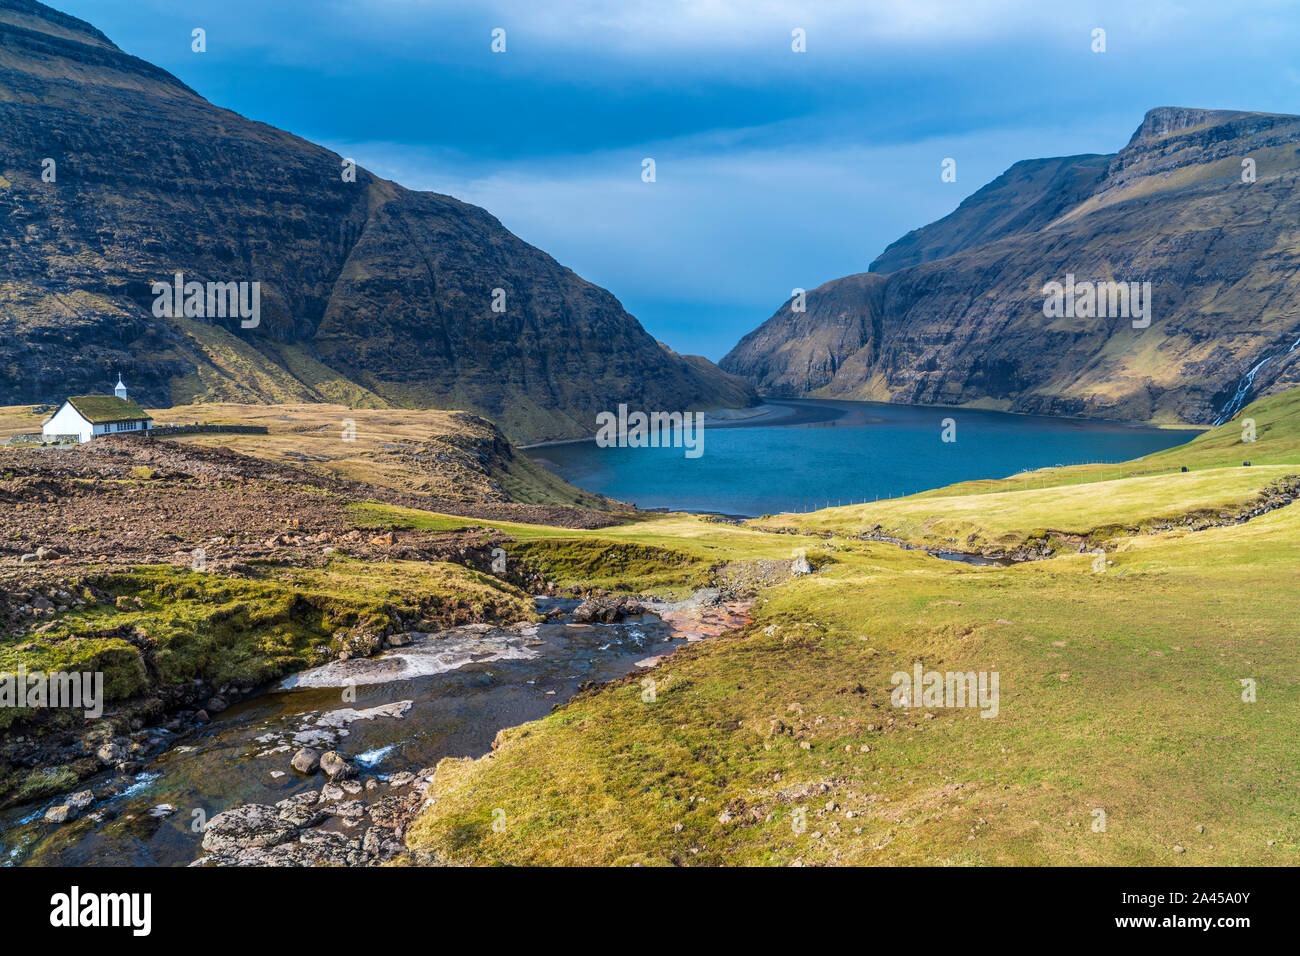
x: 331, y: 791
x: 606, y: 609
x: 306, y: 760
x: 252, y: 825
x: 60, y: 814
x: 111, y: 753
x: 336, y: 766
x: 301, y: 810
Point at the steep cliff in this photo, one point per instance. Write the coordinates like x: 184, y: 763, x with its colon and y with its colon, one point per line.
x: 953, y: 314
x: 371, y: 294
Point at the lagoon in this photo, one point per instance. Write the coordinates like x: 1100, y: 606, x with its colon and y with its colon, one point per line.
x: 803, y: 454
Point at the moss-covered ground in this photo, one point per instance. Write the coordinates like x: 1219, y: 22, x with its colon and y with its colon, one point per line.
x: 156, y: 627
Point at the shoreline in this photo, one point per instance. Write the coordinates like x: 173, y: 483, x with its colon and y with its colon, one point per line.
x: 859, y: 418
x: 775, y: 412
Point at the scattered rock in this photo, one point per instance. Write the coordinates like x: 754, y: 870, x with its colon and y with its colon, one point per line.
x: 251, y: 825
x: 111, y: 753
x: 60, y: 814
x: 606, y: 609
x: 331, y: 791
x: 336, y: 765
x: 306, y: 760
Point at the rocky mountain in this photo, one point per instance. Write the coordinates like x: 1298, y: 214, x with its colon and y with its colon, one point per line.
x: 114, y: 175
x: 1202, y: 204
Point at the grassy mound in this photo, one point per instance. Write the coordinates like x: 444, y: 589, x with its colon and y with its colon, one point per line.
x: 610, y: 565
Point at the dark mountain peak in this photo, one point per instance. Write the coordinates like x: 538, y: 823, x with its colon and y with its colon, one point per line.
x: 40, y: 41
x: 37, y: 17
x: 370, y: 294
x: 1028, y: 196
x: 1164, y: 120
x: 1199, y: 207
x: 1167, y: 120
x: 1035, y: 193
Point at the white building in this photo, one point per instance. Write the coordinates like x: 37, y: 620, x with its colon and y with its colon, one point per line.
x: 86, y: 416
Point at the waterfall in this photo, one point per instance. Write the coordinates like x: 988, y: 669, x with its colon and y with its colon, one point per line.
x: 1238, y: 400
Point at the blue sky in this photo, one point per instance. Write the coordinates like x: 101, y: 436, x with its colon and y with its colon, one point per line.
x: 774, y: 169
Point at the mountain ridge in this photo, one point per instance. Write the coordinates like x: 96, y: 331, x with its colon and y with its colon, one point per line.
x: 953, y: 313
x: 372, y: 295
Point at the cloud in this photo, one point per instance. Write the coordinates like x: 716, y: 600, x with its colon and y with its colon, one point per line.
x: 725, y: 233
x: 668, y: 26
x: 775, y: 170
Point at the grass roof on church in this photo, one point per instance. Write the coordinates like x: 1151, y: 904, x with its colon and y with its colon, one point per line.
x: 99, y: 409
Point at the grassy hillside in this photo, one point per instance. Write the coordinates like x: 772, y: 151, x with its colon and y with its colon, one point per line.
x: 448, y: 454
x: 1094, y: 501
x: 1120, y: 694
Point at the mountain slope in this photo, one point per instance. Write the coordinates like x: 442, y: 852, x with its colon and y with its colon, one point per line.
x: 1027, y: 197
x: 952, y: 314
x: 371, y: 295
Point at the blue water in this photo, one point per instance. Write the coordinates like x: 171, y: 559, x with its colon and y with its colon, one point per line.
x: 866, y: 450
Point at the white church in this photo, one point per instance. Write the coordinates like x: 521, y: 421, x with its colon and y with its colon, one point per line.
x: 86, y: 416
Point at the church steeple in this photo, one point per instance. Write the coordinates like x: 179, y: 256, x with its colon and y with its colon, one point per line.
x: 119, y: 390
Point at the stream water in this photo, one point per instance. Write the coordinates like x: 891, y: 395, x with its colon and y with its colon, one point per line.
x: 446, y: 694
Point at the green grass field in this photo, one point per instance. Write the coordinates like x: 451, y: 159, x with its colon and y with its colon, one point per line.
x: 1097, y: 501
x: 1121, y: 736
